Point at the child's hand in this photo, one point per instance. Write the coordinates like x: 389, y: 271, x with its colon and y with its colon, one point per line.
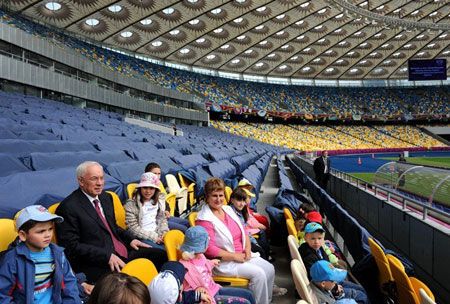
x: 87, y: 288
x: 261, y: 226
x: 216, y: 262
x: 205, y: 298
x: 201, y: 290
x: 167, y: 214
x: 159, y: 240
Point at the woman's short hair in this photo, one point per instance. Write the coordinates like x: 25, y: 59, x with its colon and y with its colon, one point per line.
x: 214, y: 184
x: 119, y: 288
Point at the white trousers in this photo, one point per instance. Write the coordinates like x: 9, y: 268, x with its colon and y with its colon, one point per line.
x: 261, y: 275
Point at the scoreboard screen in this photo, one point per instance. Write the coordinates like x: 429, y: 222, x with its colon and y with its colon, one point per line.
x: 433, y: 69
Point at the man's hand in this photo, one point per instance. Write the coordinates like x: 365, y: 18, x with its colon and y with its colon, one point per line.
x: 135, y: 244
x: 115, y: 263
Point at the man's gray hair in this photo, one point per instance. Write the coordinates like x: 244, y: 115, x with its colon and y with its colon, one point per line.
x: 82, y: 168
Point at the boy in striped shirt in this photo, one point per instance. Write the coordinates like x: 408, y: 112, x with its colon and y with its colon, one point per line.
x: 37, y: 271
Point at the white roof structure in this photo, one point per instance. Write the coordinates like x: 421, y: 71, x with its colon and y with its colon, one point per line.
x: 320, y: 39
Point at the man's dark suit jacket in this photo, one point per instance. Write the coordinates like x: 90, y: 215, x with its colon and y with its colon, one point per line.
x: 88, y: 244
x: 319, y: 168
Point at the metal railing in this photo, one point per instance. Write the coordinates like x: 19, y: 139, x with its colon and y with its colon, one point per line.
x: 390, y: 196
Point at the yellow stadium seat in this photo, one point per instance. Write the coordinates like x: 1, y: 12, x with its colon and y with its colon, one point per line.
x: 291, y: 227
x: 384, y: 272
x: 181, y: 192
x: 171, y: 199
x: 52, y: 208
x: 192, y: 217
x: 228, y: 192
x: 191, y: 194
x: 172, y: 242
x: 130, y: 189
x: 173, y: 239
x: 141, y: 268
x: 407, y: 287
x: 301, y: 285
x: 425, y: 298
x: 287, y: 213
x: 119, y: 210
x: 8, y: 233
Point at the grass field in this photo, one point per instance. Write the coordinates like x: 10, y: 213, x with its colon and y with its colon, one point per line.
x: 419, y: 184
x: 442, y: 162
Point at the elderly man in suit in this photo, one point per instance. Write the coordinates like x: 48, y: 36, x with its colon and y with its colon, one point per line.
x: 94, y: 243
x: 322, y: 169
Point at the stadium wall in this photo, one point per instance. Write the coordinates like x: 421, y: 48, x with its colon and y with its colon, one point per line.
x: 425, y: 243
x: 72, y: 58
x: 25, y: 73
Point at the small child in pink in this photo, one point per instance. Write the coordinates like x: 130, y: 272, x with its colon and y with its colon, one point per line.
x: 199, y: 270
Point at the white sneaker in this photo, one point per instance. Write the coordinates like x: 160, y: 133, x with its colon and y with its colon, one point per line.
x: 278, y: 291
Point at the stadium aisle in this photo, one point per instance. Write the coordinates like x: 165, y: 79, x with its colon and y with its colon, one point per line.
x: 283, y: 276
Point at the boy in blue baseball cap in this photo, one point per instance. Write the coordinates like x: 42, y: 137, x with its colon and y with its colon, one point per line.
x: 37, y: 271
x: 325, y: 280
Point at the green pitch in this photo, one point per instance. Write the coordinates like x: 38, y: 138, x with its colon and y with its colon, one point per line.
x: 442, y: 162
x: 420, y: 184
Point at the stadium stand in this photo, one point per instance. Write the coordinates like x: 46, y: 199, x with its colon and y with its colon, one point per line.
x: 313, y: 138
x: 331, y: 102
x: 86, y: 134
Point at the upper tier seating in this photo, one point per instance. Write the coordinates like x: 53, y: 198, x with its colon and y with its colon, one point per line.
x: 336, y: 102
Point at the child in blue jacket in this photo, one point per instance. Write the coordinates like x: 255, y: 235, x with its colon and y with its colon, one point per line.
x: 37, y: 271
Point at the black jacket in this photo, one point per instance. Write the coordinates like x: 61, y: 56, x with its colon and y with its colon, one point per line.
x: 88, y: 244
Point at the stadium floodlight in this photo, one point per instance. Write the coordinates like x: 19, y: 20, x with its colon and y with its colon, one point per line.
x: 115, y: 8
x: 146, y: 21
x: 210, y: 57
x: 238, y: 20
x: 280, y: 33
x: 234, y: 61
x: 259, y: 64
x: 185, y: 51
x: 168, y: 11
x: 261, y: 9
x: 294, y: 57
x: 194, y: 21
x: 248, y: 51
x: 157, y: 43
x: 53, y: 6
x: 200, y: 40
x: 259, y: 27
x: 279, y: 17
x: 126, y: 34
x: 174, y: 32
x: 300, y: 22
x: 225, y: 46
x: 285, y: 46
x: 92, y: 22
x: 216, y: 11
x: 241, y: 37
x: 218, y: 30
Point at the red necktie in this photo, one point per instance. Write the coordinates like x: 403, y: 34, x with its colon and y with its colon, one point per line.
x: 119, y: 247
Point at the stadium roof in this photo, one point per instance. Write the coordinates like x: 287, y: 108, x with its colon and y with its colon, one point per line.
x: 320, y: 39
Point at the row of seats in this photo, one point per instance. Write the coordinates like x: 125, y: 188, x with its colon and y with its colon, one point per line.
x: 313, y: 138
x: 393, y: 280
x: 123, y: 149
x: 383, y: 102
